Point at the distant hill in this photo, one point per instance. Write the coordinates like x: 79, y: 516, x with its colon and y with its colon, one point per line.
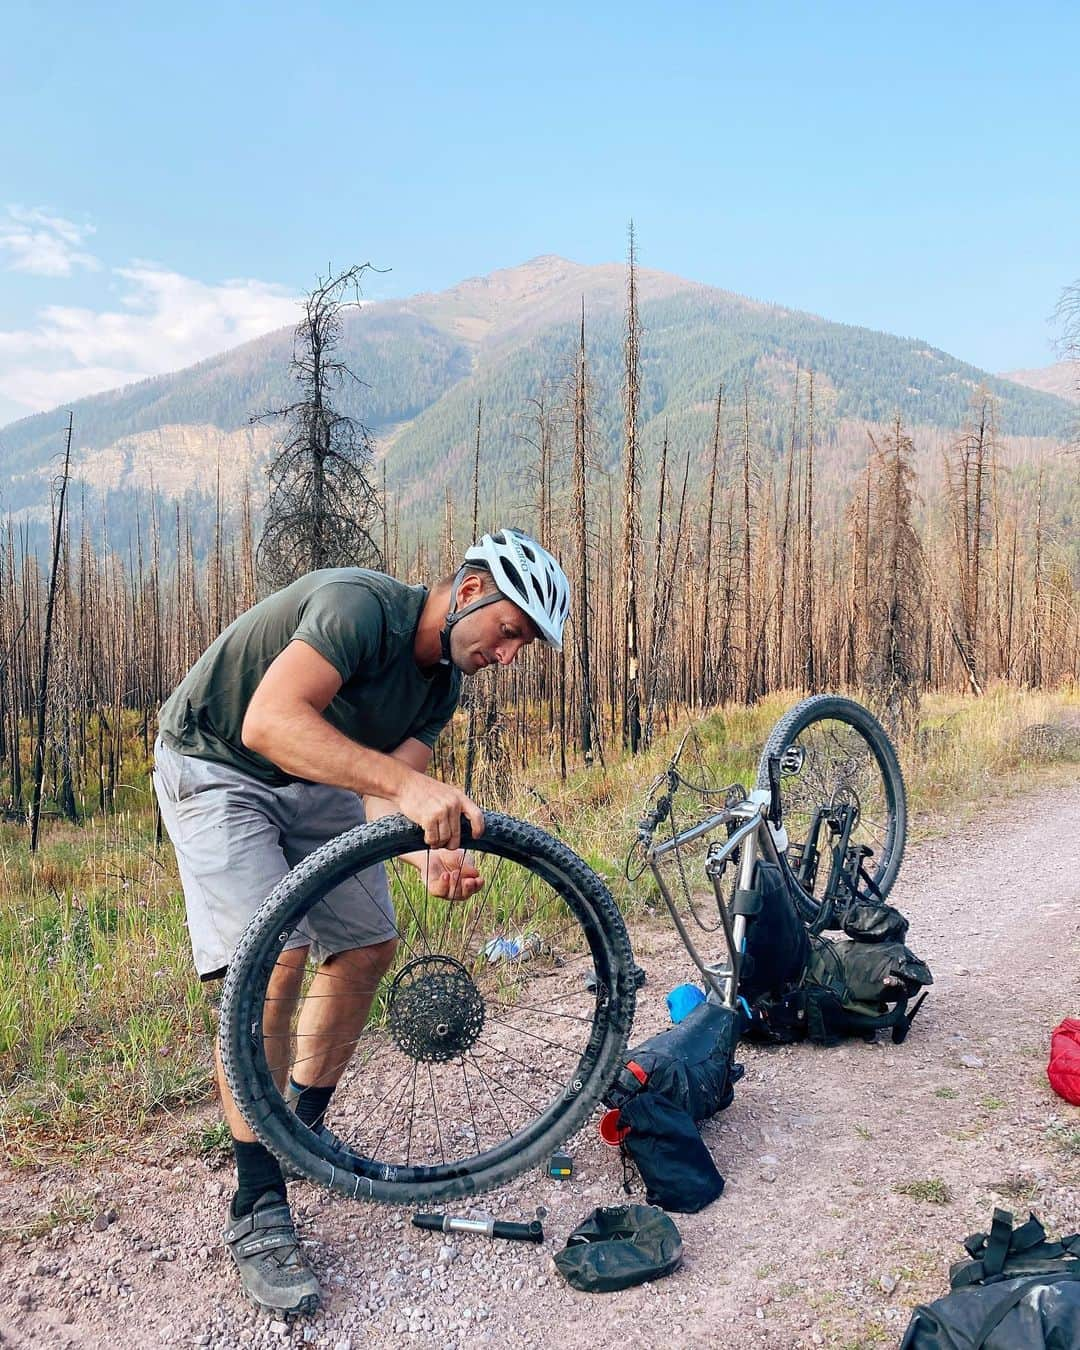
x: 1061, y: 379
x: 507, y: 339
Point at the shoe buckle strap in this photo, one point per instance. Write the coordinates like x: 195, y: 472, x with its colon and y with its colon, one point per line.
x: 265, y: 1243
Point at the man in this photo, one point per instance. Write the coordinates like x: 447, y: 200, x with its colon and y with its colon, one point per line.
x: 332, y: 689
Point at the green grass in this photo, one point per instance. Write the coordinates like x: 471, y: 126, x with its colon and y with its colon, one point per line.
x: 70, y: 1206
x: 1065, y: 1139
x: 931, y: 1190
x: 948, y: 1093
x: 102, y: 1019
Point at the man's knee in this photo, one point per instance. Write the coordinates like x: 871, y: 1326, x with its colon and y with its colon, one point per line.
x: 370, y: 962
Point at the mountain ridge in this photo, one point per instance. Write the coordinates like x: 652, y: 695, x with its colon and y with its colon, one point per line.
x: 505, y: 339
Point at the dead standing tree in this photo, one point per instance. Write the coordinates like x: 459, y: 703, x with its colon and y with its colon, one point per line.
x: 895, y: 600
x: 323, y: 507
x: 42, y: 704
x: 631, y: 531
x: 1067, y: 315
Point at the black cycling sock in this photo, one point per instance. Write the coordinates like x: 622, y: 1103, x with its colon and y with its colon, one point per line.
x: 311, y: 1103
x: 257, y: 1171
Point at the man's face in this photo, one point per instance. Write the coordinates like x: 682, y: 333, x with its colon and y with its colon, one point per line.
x: 492, y: 636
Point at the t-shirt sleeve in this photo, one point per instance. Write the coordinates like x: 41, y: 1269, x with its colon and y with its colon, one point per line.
x: 346, y: 624
x: 436, y: 717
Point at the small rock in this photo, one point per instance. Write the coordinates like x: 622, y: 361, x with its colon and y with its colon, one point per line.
x: 972, y: 1062
x: 769, y: 1160
x: 344, y: 1344
x: 279, y: 1328
x: 768, y: 1175
x: 889, y: 1283
x: 962, y: 970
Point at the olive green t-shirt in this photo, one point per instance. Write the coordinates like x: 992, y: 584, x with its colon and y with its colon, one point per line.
x: 363, y: 623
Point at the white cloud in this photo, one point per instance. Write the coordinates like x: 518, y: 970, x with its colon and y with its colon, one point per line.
x: 164, y: 321
x: 43, y: 244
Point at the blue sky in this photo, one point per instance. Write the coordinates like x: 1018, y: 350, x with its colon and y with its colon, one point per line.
x: 168, y: 185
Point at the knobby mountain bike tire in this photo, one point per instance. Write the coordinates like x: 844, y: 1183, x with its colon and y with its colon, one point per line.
x: 834, y: 752
x: 492, y: 1036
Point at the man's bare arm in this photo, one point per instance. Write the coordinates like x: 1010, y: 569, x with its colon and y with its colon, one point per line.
x: 284, y: 723
x: 417, y: 756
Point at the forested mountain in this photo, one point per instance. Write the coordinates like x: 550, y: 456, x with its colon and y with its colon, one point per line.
x: 509, y: 341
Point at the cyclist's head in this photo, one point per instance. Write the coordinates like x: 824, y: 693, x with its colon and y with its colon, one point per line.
x: 523, y: 572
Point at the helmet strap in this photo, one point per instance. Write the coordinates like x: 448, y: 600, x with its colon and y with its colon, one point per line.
x: 453, y: 614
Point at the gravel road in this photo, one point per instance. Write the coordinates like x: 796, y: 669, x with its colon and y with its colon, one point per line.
x: 811, y: 1244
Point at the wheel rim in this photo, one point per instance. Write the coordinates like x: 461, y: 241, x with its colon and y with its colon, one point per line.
x: 483, y: 1032
x: 831, y: 764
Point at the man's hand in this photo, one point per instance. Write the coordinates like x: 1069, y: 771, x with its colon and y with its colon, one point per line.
x: 437, y: 808
x: 446, y: 872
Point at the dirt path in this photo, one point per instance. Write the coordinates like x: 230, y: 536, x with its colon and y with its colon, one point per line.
x: 811, y: 1243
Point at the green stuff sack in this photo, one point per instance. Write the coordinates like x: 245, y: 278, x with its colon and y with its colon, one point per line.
x: 867, y: 921
x: 861, y: 988
x: 620, y: 1246
x: 848, y: 989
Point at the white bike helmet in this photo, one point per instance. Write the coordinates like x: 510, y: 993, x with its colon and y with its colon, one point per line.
x: 524, y: 573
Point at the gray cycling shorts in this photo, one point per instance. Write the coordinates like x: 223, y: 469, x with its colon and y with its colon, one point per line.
x: 235, y: 838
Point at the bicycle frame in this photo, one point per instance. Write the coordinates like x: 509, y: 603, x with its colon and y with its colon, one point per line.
x: 755, y: 835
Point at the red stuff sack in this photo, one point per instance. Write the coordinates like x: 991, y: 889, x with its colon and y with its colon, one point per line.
x: 1064, y: 1067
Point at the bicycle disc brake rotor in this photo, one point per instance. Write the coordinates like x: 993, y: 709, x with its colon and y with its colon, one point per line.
x: 845, y: 795
x: 435, y: 1012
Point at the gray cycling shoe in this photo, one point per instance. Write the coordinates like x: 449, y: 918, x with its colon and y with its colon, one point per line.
x: 273, y: 1269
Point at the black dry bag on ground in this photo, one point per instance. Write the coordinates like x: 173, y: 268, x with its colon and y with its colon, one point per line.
x: 1018, y: 1292
x: 618, y: 1247
x: 691, y: 1064
x: 683, y: 1075
x: 667, y: 1149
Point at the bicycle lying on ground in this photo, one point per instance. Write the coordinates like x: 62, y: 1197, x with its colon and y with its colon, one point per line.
x: 506, y: 1016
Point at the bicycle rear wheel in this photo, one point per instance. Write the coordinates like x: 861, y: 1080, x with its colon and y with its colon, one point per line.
x: 840, y: 784
x: 478, y: 1060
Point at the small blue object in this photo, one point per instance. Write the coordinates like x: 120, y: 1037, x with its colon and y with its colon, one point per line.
x: 683, y: 999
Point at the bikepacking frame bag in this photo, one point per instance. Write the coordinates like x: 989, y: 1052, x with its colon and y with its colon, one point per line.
x: 848, y: 989
x: 681, y: 1076
x: 1018, y: 1292
x: 777, y: 946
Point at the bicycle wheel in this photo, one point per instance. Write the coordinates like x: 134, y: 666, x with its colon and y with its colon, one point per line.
x: 486, y: 1046
x: 839, y: 777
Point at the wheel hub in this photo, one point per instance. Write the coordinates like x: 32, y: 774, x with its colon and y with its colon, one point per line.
x: 436, y: 1012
